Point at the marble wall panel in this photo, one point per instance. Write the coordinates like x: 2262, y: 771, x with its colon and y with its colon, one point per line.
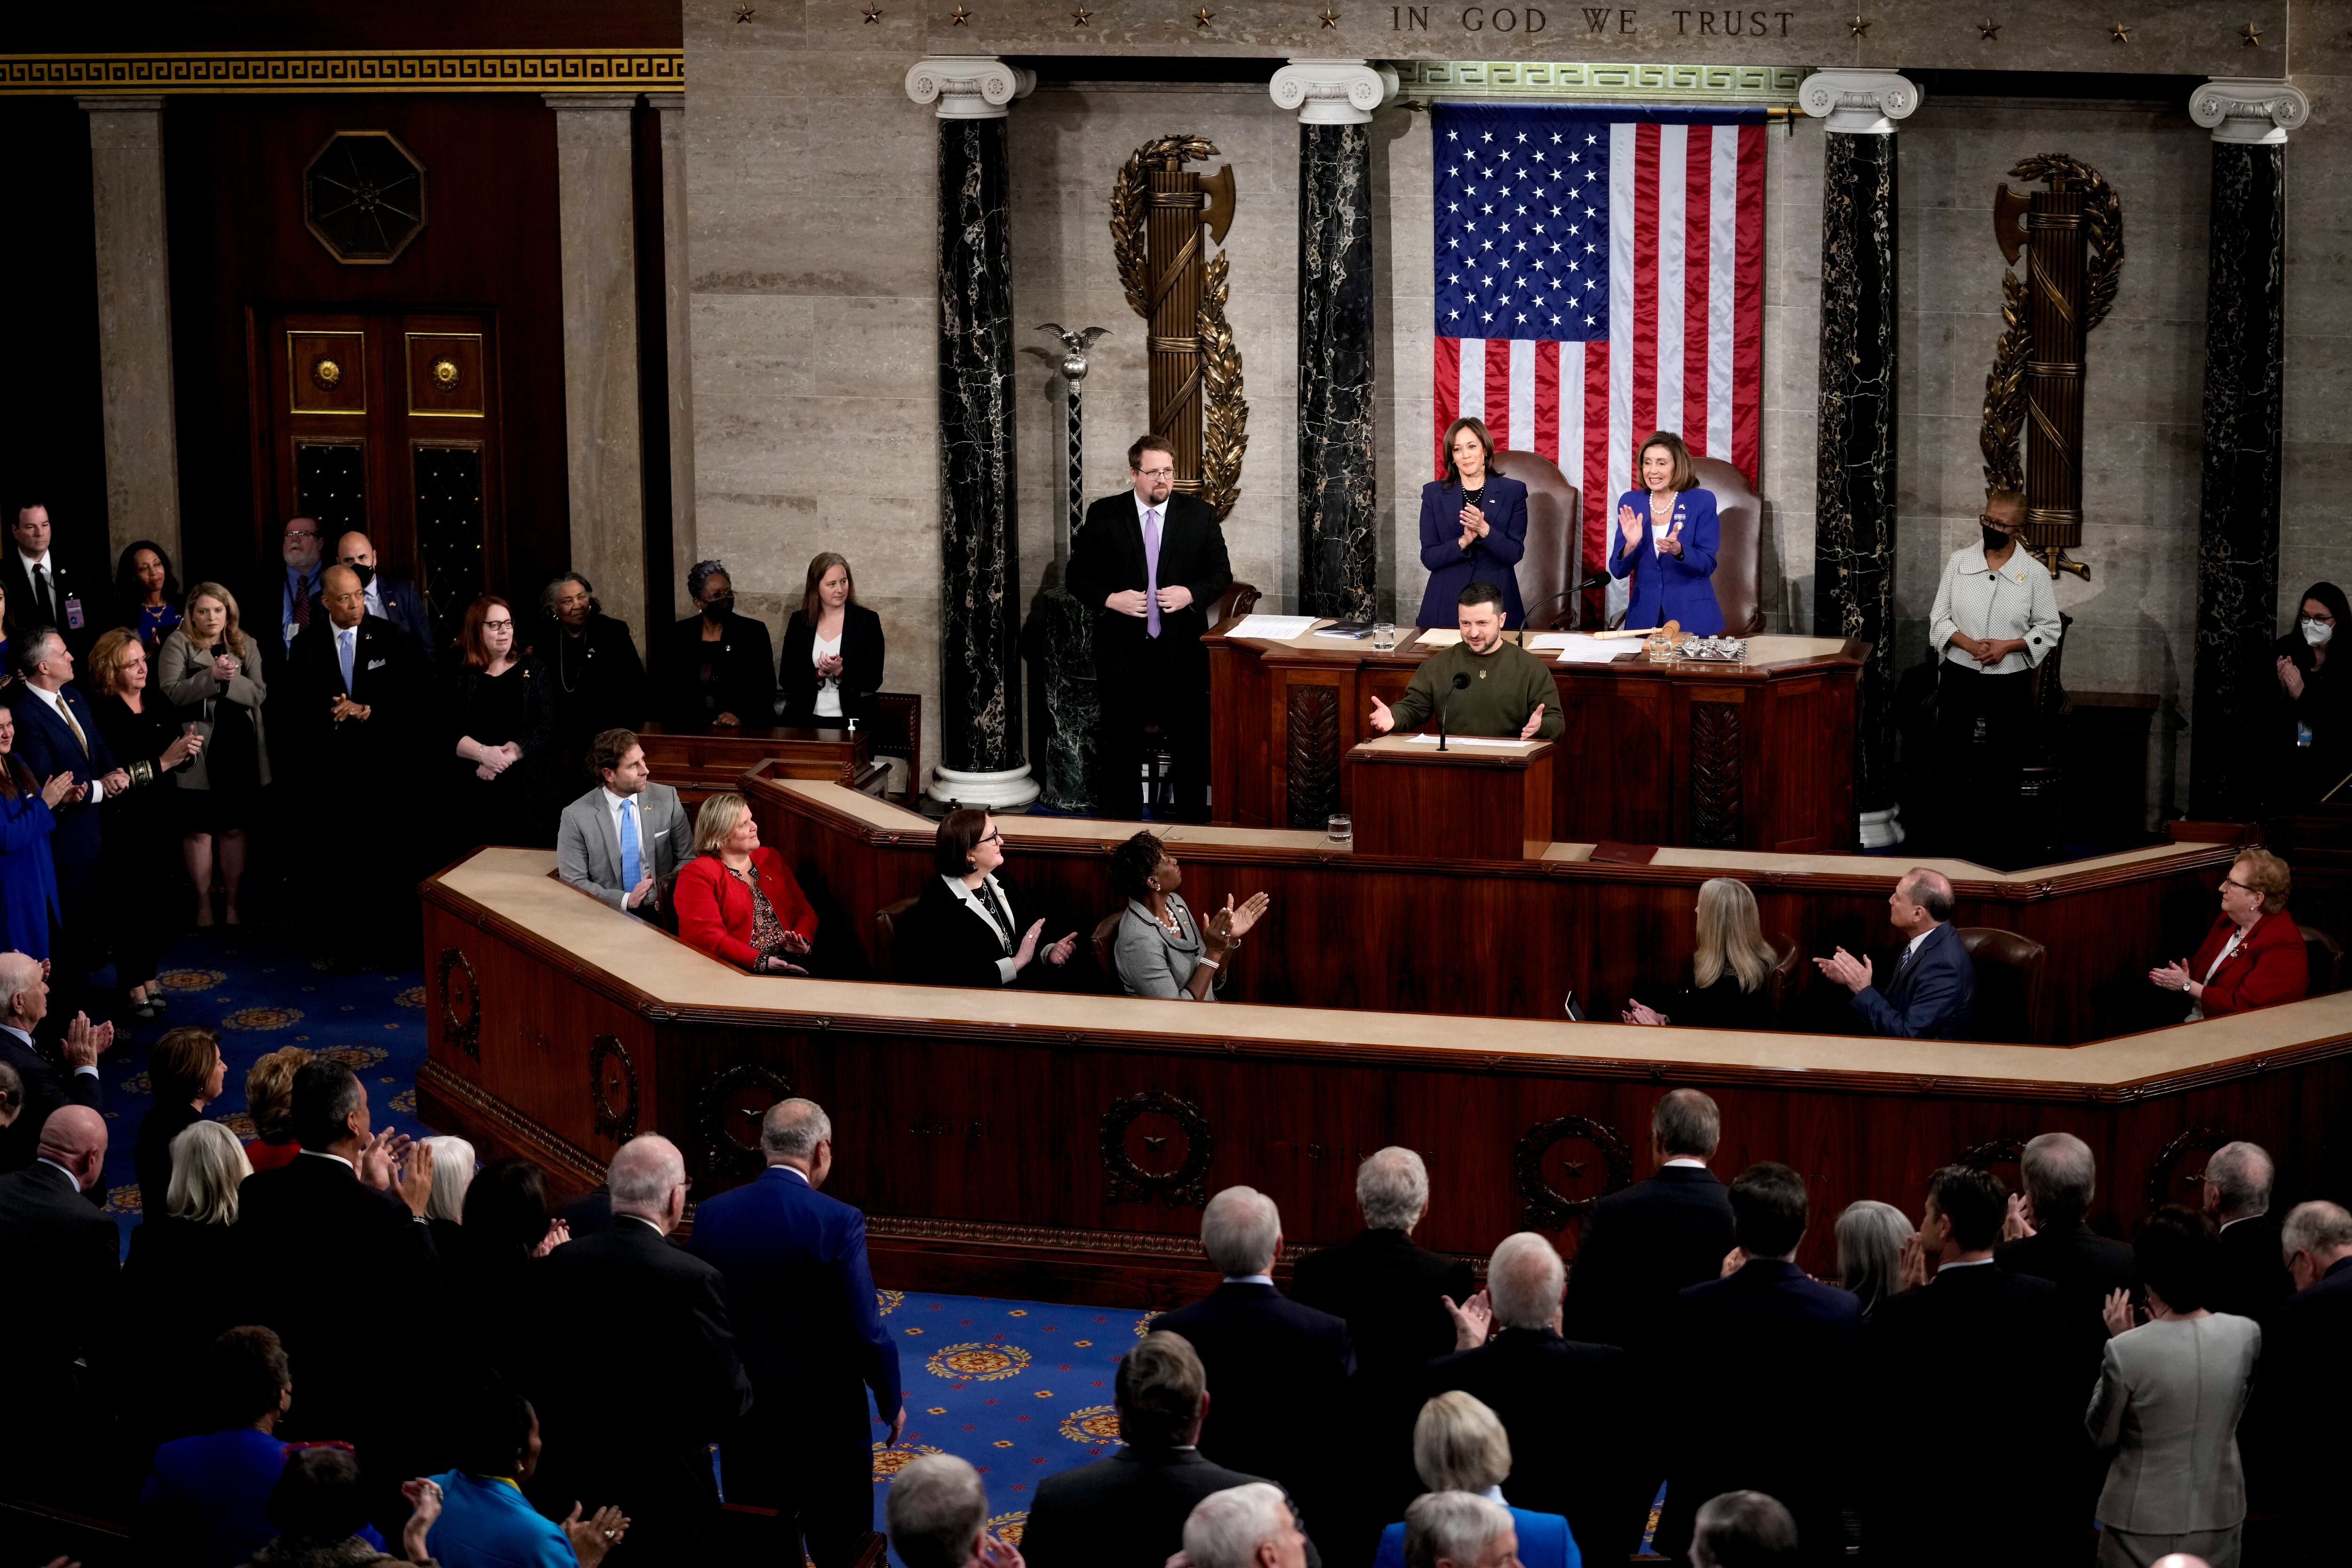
x: 1791, y: 371
x: 2317, y: 467
x: 1406, y: 287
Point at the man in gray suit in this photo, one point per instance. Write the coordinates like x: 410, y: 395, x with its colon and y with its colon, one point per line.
x: 622, y: 839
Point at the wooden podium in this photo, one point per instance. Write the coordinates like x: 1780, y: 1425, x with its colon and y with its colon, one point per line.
x: 1480, y: 799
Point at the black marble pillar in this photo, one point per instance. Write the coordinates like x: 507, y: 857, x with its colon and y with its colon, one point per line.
x: 1853, y: 528
x: 980, y: 551
x: 2238, y: 525
x: 1339, y: 549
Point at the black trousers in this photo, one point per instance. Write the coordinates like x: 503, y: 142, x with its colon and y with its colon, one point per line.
x: 1162, y: 684
x: 813, y: 1461
x: 1984, y: 728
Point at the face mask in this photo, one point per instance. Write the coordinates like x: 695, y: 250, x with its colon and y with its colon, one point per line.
x: 1995, y: 540
x: 2316, y: 633
x: 366, y: 576
x: 719, y: 609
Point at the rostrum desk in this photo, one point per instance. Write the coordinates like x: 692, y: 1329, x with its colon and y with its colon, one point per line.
x: 1059, y: 1146
x: 1757, y: 755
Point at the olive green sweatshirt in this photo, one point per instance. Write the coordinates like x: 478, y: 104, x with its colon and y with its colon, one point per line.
x: 1505, y: 686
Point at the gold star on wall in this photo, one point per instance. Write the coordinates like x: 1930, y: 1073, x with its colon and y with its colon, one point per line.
x: 1330, y: 18
x: 1989, y: 31
x: 874, y: 13
x: 2118, y: 32
x: 1204, y: 17
x: 1857, y: 26
x: 743, y: 14
x: 2250, y: 36
x: 961, y: 17
x: 1078, y: 17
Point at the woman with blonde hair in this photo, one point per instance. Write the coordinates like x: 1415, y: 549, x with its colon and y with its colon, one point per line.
x: 147, y: 737
x: 1729, y: 969
x: 1459, y: 1445
x: 184, y: 1283
x: 737, y: 900
x: 2253, y: 956
x: 269, y: 1100
x: 1665, y: 541
x: 212, y: 674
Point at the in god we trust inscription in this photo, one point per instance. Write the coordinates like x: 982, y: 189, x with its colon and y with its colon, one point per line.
x: 1610, y: 21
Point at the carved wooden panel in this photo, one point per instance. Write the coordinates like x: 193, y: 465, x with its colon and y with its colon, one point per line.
x: 1540, y: 1178
x: 1137, y: 1134
x: 2177, y: 1174
x: 733, y: 1104
x: 613, y: 1087
x: 1714, y: 775
x: 461, y: 1001
x: 1312, y: 753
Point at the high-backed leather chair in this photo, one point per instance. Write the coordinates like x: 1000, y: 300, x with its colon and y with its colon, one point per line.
x: 886, y: 936
x: 1780, y: 985
x: 1238, y: 599
x: 1105, y: 942
x: 2009, y: 985
x: 1549, y: 570
x: 2326, y: 956
x: 1740, y: 546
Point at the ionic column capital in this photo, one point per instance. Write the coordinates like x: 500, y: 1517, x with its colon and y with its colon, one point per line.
x: 968, y: 87
x: 1333, y: 92
x: 2259, y: 110
x: 1860, y: 102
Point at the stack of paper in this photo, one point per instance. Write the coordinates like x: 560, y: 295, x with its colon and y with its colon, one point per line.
x: 1489, y: 742
x: 1439, y: 636
x: 1274, y: 628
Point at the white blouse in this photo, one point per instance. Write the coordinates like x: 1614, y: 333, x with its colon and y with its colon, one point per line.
x: 2018, y: 601
x: 829, y: 689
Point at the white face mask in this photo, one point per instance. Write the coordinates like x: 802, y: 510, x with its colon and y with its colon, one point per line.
x: 2316, y: 633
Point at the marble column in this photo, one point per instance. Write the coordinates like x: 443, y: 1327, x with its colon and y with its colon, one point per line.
x: 2238, y: 524
x: 134, y: 322
x: 596, y: 222
x: 1339, y: 492
x: 1853, y: 541
x: 980, y: 541
x: 677, y: 311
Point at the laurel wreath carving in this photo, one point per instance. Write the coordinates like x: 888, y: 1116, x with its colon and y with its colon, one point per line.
x: 1127, y: 198
x: 2103, y: 241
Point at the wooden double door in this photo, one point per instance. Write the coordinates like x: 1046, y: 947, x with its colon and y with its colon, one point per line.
x: 386, y: 422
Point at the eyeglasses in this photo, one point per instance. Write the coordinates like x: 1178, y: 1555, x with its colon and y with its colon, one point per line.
x: 1169, y: 473
x: 2233, y: 882
x: 498, y: 626
x: 994, y: 835
x: 300, y: 534
x: 2001, y: 523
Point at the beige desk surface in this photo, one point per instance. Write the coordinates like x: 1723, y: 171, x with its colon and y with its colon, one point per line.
x: 514, y: 884
x: 1764, y: 650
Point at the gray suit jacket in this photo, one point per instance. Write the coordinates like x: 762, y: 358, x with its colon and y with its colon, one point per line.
x: 2167, y: 1402
x: 1153, y: 961
x: 588, y: 847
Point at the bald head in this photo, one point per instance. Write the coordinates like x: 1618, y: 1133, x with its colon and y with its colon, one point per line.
x: 1921, y: 902
x: 647, y: 1180
x: 340, y: 592
x: 2238, y: 1180
x: 74, y: 1137
x: 355, y: 549
x: 24, y: 994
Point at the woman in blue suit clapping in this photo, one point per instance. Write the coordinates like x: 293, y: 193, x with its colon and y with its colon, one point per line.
x: 1664, y: 540
x: 1474, y: 528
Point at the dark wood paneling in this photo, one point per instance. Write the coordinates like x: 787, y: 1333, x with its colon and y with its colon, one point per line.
x: 210, y: 25
x: 52, y: 423
x: 1483, y: 804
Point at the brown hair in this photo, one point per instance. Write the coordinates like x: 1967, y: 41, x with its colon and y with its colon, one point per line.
x: 269, y: 1093
x: 825, y: 562
x: 180, y: 1064
x: 958, y: 831
x: 1685, y: 471
x: 231, y: 633
x: 1446, y: 454
x: 469, y: 639
x: 1147, y: 444
x: 107, y: 660
x: 2267, y: 874
x: 606, y: 752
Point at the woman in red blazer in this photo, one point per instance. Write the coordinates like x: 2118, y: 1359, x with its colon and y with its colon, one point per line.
x: 2253, y: 956
x: 737, y: 900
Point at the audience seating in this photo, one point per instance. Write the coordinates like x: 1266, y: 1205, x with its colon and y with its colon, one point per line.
x: 886, y: 936
x: 1554, y: 585
x: 1105, y: 943
x: 1788, y: 975
x: 1549, y: 570
x: 898, y: 732
x: 2008, y: 984
x: 2326, y: 956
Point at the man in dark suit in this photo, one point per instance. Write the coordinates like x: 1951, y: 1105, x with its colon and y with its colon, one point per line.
x: 800, y: 1296
x: 1280, y: 1371
x: 340, y: 1257
x: 2297, y: 1444
x: 281, y: 605
x: 1393, y: 1296
x: 57, y: 733
x: 44, y: 591
x: 1935, y: 985
x: 2237, y: 1197
x: 1966, y: 1367
x: 1152, y: 565
x: 389, y: 598
x: 41, y: 1090
x: 634, y: 1368
x: 1545, y: 1390
x: 1128, y: 1509
x: 1763, y: 1358
x: 61, y: 1254
x: 1641, y: 1245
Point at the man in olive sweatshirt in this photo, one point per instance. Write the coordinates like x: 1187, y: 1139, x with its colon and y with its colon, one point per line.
x: 1488, y: 687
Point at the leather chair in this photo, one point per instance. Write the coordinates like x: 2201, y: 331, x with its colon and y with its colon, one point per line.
x: 2009, y: 1006
x: 1238, y: 599
x: 2326, y: 956
x: 1105, y: 943
x: 1551, y: 569
x: 886, y: 936
x: 1740, y: 546
x: 1780, y: 985
x: 1560, y: 596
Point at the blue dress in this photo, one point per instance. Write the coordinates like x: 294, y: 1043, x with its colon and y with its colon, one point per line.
x: 1668, y: 587
x: 156, y: 623
x: 28, y: 878
x: 1494, y: 559
x: 1545, y: 1542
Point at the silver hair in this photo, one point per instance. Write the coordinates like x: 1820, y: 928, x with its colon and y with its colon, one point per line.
x: 453, y: 1172
x: 936, y: 1511
x: 1456, y: 1525
x: 703, y: 572
x: 1687, y: 1124
x: 548, y: 595
x: 18, y: 970
x: 1459, y: 1445
x: 1733, y: 1528
x: 1240, y: 1231
x: 36, y: 650
x: 794, y: 1128
x: 2060, y: 1176
x: 207, y: 1165
x: 1524, y: 1281
x: 1392, y: 1188
x: 2316, y: 1228
x: 1931, y: 890
x: 2241, y: 1174
x: 642, y: 1175
x: 1226, y: 1528
x: 1869, y: 1238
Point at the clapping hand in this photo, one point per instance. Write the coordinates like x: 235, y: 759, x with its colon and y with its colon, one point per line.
x: 416, y: 1176
x: 1848, y: 971
x: 224, y: 668
x: 796, y: 943
x: 2290, y: 677
x: 1635, y: 1013
x: 640, y: 893
x: 1670, y: 543
x: 116, y: 781
x: 1475, y: 525
x: 828, y: 667
x: 593, y: 1537
x: 180, y: 751
x: 1059, y: 954
x: 2173, y: 977
x: 995, y: 1554
x: 1911, y: 1270
x: 1473, y: 1321
x: 2018, y: 1223
x: 1733, y: 1262
x: 60, y: 787
x: 2118, y: 1313
x: 1227, y: 927
x: 424, y: 1501
x: 1629, y: 524
x: 558, y: 1231
x: 1535, y: 721
x: 86, y: 1041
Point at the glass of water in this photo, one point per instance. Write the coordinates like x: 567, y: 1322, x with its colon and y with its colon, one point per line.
x: 1384, y: 634
x: 1339, y: 830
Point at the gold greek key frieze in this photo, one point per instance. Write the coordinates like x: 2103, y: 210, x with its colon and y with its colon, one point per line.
x: 349, y: 71
x: 1556, y: 78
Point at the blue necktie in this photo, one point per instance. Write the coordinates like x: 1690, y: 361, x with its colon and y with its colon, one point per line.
x: 632, y: 864
x: 343, y: 656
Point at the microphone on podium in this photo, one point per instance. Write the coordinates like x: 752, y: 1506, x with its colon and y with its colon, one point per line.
x: 1461, y: 682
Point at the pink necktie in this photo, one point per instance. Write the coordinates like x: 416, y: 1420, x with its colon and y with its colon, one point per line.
x: 1152, y: 571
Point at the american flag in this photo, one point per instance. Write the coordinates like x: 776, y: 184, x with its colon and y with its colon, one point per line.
x: 1600, y: 276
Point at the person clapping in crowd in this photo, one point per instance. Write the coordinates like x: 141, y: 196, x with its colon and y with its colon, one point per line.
x: 1729, y: 968
x: 2253, y: 955
x: 144, y: 733
x: 28, y: 815
x: 24, y: 1008
x: 1161, y: 950
x: 213, y: 675
x: 486, y: 1520
x: 147, y: 593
